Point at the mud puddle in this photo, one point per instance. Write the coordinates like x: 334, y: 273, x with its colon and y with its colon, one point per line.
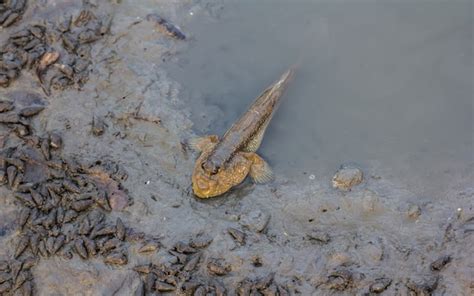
x: 386, y: 85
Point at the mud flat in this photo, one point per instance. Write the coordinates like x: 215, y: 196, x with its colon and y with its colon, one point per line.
x: 95, y: 173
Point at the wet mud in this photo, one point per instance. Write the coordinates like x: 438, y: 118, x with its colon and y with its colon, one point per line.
x: 95, y: 176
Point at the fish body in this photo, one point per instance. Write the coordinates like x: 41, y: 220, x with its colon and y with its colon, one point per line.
x: 225, y: 162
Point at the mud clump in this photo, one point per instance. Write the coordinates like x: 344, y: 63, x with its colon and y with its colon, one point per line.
x: 440, y: 263
x: 261, y: 286
x: 340, y: 280
x: 16, y: 276
x: 59, y: 54
x: 177, y: 273
x: 64, y: 202
x: 11, y: 12
x: 98, y: 126
x: 380, y: 285
x: 237, y: 235
x: 347, y: 177
x: 423, y: 285
x: 182, y: 274
x: 414, y: 211
x: 316, y: 235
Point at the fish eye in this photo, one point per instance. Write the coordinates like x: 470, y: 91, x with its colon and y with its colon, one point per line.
x: 214, y: 170
x: 209, y: 167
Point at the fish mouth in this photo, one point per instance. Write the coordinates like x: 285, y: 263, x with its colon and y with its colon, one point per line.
x: 204, y: 187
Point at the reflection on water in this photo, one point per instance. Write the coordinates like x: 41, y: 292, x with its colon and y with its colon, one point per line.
x: 388, y: 84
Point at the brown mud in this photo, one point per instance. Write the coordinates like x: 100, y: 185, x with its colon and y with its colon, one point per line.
x: 95, y: 173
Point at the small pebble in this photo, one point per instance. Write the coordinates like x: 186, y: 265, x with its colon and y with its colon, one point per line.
x: 148, y: 247
x: 98, y: 126
x: 237, y: 235
x: 414, y: 212
x: 380, y: 285
x: 55, y: 141
x: 318, y: 235
x: 218, y: 267
x: 347, y: 177
x: 440, y: 263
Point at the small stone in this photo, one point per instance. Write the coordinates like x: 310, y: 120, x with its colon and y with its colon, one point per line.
x: 21, y: 130
x: 218, y: 267
x: 116, y: 259
x: 423, y: 285
x: 414, y: 211
x: 81, y: 205
x: 339, y: 279
x: 80, y: 248
x: 148, y: 247
x: 257, y: 261
x: 237, y: 235
x: 31, y: 110
x: 164, y: 287
x: 184, y: 248
x: 192, y: 262
x: 118, y: 200
x: 380, y: 285
x: 440, y: 263
x: 98, y: 126
x: 145, y: 268
x: 55, y: 141
x: 120, y: 230
x: 256, y: 220
x: 318, y: 235
x: 201, y: 241
x: 347, y: 177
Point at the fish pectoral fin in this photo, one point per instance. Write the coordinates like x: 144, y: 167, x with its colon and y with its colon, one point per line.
x: 205, y: 143
x: 260, y: 170
x: 256, y: 140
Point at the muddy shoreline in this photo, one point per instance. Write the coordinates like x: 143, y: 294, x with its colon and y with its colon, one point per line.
x: 106, y: 143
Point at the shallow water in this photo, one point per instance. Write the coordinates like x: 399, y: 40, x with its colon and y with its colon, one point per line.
x: 384, y: 85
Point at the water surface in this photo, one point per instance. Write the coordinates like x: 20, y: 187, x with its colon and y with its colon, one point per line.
x: 385, y: 85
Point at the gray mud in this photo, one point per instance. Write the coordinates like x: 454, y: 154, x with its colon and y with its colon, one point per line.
x: 387, y: 88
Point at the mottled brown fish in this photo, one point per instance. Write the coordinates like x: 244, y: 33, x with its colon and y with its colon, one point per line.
x: 225, y: 162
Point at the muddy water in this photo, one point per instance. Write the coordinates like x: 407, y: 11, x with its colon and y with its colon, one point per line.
x: 386, y: 85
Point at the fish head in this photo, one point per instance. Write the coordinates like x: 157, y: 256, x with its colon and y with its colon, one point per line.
x: 207, y: 184
x: 210, y: 166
